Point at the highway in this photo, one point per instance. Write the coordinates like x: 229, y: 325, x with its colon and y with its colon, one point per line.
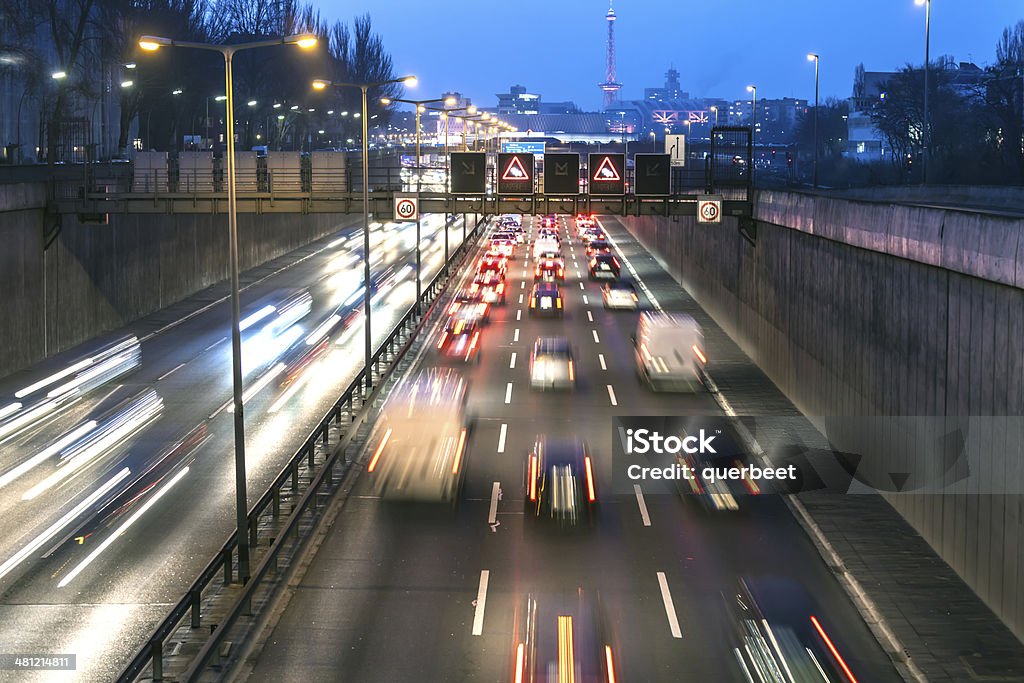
x: 120, y: 489
x: 417, y: 594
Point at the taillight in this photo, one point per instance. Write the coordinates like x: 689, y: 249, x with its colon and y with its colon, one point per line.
x: 501, y: 288
x: 572, y: 372
x: 609, y: 663
x: 520, y: 663
x: 380, y: 449
x: 458, y: 452
x: 700, y: 356
x: 533, y: 477
x: 558, y: 302
x: 591, y: 494
x: 472, y: 344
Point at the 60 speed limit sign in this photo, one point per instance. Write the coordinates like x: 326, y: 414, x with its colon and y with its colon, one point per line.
x: 709, y: 210
x: 406, y: 208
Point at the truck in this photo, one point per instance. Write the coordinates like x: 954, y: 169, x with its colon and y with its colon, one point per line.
x: 669, y: 351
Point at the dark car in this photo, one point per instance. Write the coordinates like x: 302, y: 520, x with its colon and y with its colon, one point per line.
x: 596, y: 247
x: 562, y: 637
x: 604, y: 267
x: 560, y: 482
x: 546, y: 299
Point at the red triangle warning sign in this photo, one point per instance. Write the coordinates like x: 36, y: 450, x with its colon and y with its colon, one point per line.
x: 606, y: 171
x: 515, y: 171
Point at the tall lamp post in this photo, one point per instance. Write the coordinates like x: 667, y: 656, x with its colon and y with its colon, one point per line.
x: 816, y: 58
x: 320, y: 84
x: 926, y: 133
x: 420, y: 108
x: 304, y: 41
x: 446, y: 114
x: 753, y: 129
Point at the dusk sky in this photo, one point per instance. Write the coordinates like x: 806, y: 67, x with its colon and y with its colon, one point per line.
x: 557, y: 47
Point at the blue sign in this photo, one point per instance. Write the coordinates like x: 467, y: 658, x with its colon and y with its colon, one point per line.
x: 517, y: 147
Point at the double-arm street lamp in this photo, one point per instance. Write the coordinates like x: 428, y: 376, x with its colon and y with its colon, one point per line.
x: 304, y: 41
x: 420, y: 108
x: 320, y: 84
x: 816, y: 58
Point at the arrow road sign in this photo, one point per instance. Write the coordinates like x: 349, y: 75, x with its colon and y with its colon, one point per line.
x: 653, y: 174
x: 469, y: 172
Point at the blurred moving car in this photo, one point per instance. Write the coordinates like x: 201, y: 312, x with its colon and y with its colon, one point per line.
x: 467, y: 298
x: 669, y: 351
x: 595, y: 247
x: 560, y: 485
x: 460, y: 338
x: 494, y: 262
x: 545, y: 245
x: 562, y: 638
x: 551, y: 364
x: 422, y: 448
x: 491, y: 287
x: 545, y: 299
x: 550, y: 267
x: 604, y: 267
x: 620, y: 295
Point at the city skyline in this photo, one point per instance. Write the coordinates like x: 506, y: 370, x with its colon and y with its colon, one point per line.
x: 881, y: 34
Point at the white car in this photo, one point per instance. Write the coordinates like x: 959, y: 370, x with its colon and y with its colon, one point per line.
x: 620, y: 295
x: 551, y: 364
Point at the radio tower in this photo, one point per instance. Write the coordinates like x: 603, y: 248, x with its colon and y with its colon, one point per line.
x: 610, y: 86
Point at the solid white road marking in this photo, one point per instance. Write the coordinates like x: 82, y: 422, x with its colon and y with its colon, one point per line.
x: 481, y: 601
x: 642, y: 504
x: 600, y: 357
x: 512, y: 363
x: 492, y: 516
x: 501, y: 438
x: 611, y: 395
x: 508, y: 392
x: 597, y: 340
x: 670, y: 609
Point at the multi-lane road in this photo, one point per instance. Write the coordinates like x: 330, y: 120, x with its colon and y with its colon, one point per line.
x: 106, y: 523
x: 399, y: 594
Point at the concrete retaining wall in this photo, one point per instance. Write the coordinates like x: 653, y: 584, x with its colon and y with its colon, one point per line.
x: 864, y: 309
x: 95, y: 278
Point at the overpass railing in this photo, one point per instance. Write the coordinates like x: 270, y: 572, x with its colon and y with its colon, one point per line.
x: 351, y: 409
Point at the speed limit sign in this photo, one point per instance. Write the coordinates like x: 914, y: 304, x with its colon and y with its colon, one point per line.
x: 709, y: 209
x: 406, y: 208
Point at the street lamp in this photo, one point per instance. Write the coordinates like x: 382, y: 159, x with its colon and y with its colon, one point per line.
x: 715, y: 109
x: 304, y: 41
x: 654, y: 141
x: 927, y: 134
x: 59, y: 75
x: 420, y: 108
x: 321, y: 84
x: 753, y: 126
x: 816, y: 59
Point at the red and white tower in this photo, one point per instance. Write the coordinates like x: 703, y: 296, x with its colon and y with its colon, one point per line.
x: 610, y: 86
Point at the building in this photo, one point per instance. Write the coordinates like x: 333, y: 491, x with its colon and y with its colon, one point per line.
x: 671, y: 92
x: 518, y: 101
x: 777, y: 119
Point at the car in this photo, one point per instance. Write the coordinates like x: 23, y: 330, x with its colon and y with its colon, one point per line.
x: 548, y: 233
x: 561, y: 638
x: 460, y: 338
x: 549, y: 269
x: 468, y: 299
x: 595, y: 247
x: 495, y: 262
x: 560, y: 484
x: 518, y: 232
x: 491, y: 287
x: 541, y: 246
x: 669, y: 351
x: 549, y: 221
x: 604, y: 267
x: 420, y: 455
x: 620, y: 295
x: 493, y: 253
x: 592, y: 234
x: 503, y: 246
x: 509, y: 220
x: 545, y: 299
x: 551, y: 364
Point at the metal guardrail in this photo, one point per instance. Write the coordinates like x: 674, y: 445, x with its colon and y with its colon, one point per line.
x: 391, y: 351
